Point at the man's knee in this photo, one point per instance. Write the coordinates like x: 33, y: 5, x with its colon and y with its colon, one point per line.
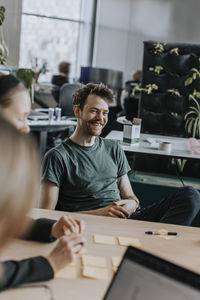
x: 191, y: 197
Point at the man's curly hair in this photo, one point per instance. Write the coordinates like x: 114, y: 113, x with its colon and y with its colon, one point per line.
x: 101, y: 90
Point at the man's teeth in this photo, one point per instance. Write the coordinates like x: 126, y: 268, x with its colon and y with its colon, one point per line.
x: 97, y: 124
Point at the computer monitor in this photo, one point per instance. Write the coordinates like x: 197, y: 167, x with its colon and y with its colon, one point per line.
x: 143, y: 276
x: 112, y: 78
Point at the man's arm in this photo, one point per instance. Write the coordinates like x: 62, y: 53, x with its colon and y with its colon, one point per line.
x: 49, y: 195
x: 108, y: 211
x: 120, y: 209
x: 129, y: 200
x: 126, y: 190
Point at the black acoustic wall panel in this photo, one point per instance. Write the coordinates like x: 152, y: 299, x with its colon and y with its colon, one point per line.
x: 168, y: 66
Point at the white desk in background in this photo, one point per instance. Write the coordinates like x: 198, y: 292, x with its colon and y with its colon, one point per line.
x: 180, y: 146
x: 45, y: 126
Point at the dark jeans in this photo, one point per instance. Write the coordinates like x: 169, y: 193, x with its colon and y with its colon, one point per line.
x: 180, y: 208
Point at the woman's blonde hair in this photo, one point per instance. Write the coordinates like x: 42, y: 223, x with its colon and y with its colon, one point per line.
x: 19, y: 180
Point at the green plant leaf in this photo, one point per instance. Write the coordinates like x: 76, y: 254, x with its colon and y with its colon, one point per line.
x: 190, y: 126
x: 188, y: 81
x: 174, y: 51
x: 2, y: 14
x: 158, y: 69
x: 195, y: 127
x: 194, y: 76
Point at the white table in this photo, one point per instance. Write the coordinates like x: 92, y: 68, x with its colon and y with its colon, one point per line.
x: 180, y: 146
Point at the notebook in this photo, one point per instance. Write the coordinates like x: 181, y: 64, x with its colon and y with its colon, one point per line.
x: 143, y: 276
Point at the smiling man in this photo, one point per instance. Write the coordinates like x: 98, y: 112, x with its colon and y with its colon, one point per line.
x: 84, y: 172
x: 88, y: 173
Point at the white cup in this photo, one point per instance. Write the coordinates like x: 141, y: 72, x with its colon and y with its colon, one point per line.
x: 165, y: 146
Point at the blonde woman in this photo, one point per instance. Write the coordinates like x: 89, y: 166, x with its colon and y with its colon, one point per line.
x: 19, y: 188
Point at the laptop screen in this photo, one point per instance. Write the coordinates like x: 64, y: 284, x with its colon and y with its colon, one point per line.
x: 143, y: 276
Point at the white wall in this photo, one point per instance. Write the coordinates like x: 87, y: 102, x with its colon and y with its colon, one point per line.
x: 11, y: 28
x: 123, y: 25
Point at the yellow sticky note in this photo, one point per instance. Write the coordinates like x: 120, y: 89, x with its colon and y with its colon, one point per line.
x: 68, y: 272
x: 162, y: 231
x: 165, y: 237
x: 128, y: 241
x: 95, y: 273
x: 83, y: 251
x: 116, y: 261
x: 104, y: 239
x: 95, y: 261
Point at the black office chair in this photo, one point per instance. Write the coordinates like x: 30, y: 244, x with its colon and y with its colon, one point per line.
x: 65, y: 98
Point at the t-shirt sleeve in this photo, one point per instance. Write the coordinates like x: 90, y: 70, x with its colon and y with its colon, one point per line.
x: 123, y: 165
x: 52, y: 167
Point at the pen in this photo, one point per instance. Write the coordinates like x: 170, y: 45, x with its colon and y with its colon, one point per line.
x: 158, y: 233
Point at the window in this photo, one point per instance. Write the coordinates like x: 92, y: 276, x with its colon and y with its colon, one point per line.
x: 50, y: 33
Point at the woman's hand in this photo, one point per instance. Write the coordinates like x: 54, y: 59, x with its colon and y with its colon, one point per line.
x: 66, y: 224
x: 65, y: 251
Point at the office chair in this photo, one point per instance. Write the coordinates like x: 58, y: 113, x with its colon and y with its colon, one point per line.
x: 65, y: 98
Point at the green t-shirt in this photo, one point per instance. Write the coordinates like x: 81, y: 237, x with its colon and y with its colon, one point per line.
x: 86, y: 176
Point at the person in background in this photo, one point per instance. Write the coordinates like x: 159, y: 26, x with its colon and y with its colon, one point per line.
x: 60, y: 79
x: 136, y: 79
x: 137, y: 76
x: 15, y: 107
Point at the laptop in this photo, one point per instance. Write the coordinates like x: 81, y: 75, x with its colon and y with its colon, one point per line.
x: 143, y: 276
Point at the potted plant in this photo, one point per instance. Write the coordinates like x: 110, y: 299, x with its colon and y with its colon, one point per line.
x: 174, y: 122
x: 195, y: 74
x: 176, y: 102
x: 27, y: 76
x: 192, y: 119
x: 3, y: 47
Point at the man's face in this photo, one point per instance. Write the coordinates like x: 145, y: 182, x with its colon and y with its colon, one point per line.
x: 94, y: 115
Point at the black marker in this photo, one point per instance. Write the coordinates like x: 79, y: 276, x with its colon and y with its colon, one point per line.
x: 158, y: 233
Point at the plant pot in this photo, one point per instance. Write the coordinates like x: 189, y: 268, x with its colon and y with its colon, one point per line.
x: 161, y: 80
x: 153, y: 102
x: 176, y: 104
x: 181, y: 64
x: 152, y: 122
x: 174, y: 125
x: 152, y: 60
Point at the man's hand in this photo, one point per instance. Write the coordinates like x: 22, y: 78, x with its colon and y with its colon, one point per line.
x: 115, y: 211
x: 66, y: 223
x: 129, y: 205
x: 65, y: 251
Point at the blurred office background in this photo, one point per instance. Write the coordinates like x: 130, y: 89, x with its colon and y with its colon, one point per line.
x: 100, y: 33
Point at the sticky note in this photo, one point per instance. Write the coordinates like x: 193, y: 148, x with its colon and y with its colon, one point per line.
x: 95, y: 273
x: 116, y: 261
x: 83, y: 250
x: 129, y: 241
x: 69, y: 272
x: 166, y: 237
x: 95, y: 261
x: 104, y: 239
x: 162, y: 231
